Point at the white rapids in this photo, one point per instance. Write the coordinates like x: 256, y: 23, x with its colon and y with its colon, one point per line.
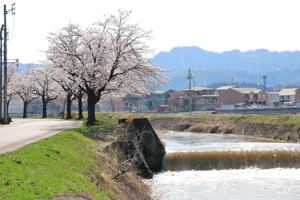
x: 232, y: 184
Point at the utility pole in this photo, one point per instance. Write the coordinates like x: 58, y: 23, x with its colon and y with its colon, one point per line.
x: 265, y: 82
x: 12, y: 10
x: 1, y: 65
x: 190, y: 77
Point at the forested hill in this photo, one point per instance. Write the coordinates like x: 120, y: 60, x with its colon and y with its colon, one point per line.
x: 211, y: 67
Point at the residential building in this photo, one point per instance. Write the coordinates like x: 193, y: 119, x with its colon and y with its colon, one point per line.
x: 288, y: 96
x: 134, y: 103
x: 110, y: 104
x: 242, y: 97
x: 221, y: 89
x: 273, y: 99
x: 173, y: 99
x: 202, y: 99
x: 154, y: 100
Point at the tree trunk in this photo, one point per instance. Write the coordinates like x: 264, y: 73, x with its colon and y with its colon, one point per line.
x: 92, y: 100
x: 25, y: 103
x: 80, y: 114
x: 69, y: 104
x: 8, y: 101
x: 44, y: 115
x: 112, y: 105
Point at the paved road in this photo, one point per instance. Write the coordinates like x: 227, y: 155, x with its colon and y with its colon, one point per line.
x: 25, y: 131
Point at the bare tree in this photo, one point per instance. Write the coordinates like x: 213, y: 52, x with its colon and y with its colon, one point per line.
x: 43, y: 86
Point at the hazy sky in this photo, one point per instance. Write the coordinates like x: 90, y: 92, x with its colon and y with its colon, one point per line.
x: 215, y: 25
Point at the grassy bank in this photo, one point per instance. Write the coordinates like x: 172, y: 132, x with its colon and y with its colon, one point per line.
x: 67, y: 165
x: 281, y: 127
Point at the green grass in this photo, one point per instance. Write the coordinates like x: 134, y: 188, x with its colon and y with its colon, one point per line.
x: 59, y: 164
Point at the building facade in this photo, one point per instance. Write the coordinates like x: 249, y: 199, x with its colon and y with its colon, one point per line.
x: 201, y: 98
x: 243, y: 97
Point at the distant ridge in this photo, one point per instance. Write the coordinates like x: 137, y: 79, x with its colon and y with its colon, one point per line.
x: 243, y: 66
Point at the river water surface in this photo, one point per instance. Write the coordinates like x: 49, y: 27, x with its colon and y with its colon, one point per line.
x: 231, y: 167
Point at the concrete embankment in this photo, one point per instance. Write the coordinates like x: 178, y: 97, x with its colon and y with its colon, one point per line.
x: 281, y: 127
x: 140, y: 146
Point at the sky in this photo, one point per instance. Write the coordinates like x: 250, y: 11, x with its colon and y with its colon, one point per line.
x: 215, y: 25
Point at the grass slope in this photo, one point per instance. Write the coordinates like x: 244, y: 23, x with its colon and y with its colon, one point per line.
x: 59, y: 164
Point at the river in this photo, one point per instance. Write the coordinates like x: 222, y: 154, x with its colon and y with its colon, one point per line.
x: 230, y: 167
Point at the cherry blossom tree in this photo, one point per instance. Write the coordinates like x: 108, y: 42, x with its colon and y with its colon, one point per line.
x: 44, y: 86
x: 68, y: 85
x: 11, y: 77
x: 111, y: 56
x: 24, y: 89
x: 64, y: 45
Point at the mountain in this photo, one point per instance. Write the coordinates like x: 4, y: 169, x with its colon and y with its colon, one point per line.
x: 211, y: 67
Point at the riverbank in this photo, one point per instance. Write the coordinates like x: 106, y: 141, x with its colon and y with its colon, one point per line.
x: 279, y: 127
x: 69, y: 165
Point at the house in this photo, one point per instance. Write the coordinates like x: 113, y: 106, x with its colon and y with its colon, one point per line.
x: 155, y: 99
x: 221, y: 89
x: 134, y: 103
x: 202, y: 98
x: 173, y: 99
x: 110, y: 104
x: 243, y: 97
x: 288, y: 96
x: 273, y: 99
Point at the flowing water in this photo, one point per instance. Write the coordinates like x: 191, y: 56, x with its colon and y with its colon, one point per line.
x: 229, y: 167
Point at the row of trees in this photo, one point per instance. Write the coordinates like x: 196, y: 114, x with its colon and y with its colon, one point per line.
x: 109, y: 57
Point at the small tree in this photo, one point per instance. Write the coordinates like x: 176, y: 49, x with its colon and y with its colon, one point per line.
x: 43, y: 86
x: 11, y: 73
x: 24, y: 89
x: 68, y: 84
